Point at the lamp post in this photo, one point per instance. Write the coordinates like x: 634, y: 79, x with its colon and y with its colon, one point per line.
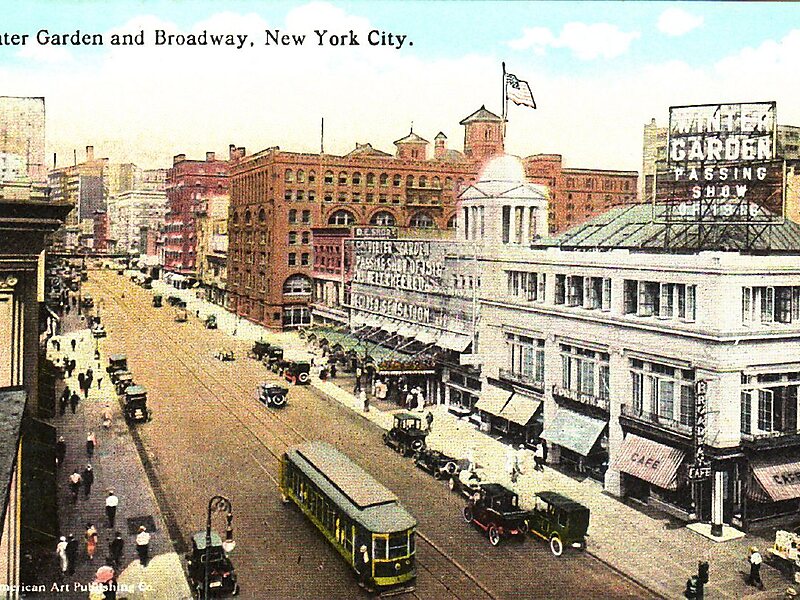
x: 218, y: 504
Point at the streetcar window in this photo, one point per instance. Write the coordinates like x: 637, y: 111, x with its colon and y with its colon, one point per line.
x: 411, y: 542
x: 398, y: 544
x: 348, y: 536
x: 379, y: 547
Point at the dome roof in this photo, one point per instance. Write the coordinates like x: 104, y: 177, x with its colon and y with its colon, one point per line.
x: 505, y: 167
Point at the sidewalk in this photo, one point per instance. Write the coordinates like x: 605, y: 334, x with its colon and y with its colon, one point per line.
x: 116, y: 465
x: 653, y: 550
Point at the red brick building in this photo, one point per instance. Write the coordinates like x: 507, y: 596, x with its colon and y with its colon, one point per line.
x: 100, y: 218
x: 277, y: 198
x: 189, y: 184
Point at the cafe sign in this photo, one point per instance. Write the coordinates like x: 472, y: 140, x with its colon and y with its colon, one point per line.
x: 701, y: 469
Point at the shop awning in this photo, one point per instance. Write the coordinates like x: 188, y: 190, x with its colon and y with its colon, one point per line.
x: 779, y: 477
x: 357, y: 320
x: 493, y: 400
x: 655, y: 463
x: 407, y: 330
x: 390, y: 325
x: 520, y: 409
x: 427, y: 336
x: 573, y: 430
x: 454, y: 341
x: 373, y: 321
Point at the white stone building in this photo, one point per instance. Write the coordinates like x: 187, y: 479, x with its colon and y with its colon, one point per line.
x: 131, y: 211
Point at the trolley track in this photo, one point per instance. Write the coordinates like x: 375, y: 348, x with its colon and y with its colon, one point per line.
x: 245, y: 410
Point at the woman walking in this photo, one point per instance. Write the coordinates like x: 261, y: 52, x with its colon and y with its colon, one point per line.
x: 91, y: 540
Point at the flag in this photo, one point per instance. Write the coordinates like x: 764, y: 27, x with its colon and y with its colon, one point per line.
x: 518, y: 91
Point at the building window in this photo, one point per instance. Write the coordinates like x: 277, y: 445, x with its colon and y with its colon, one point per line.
x: 560, y: 290
x: 396, y: 180
x: 780, y: 304
x: 585, y: 371
x: 293, y: 216
x: 664, y: 300
x: 452, y: 222
x: 287, y: 195
x: 342, y: 197
x: 312, y: 195
x: 248, y: 217
x: 341, y: 217
x: 292, y: 238
x: 384, y: 180
x: 356, y: 196
x: 312, y: 177
x: 292, y: 259
x: 663, y: 392
x: 423, y: 181
x: 526, y: 286
x: 506, y: 224
x: 356, y: 179
x: 304, y: 257
x: 328, y: 197
x: 298, y: 195
x: 328, y: 177
x: 301, y: 176
x: 383, y: 218
x: 342, y: 178
x: 295, y: 316
x: 306, y: 237
x: 288, y: 176
x: 421, y: 220
x: 776, y: 398
x: 526, y: 358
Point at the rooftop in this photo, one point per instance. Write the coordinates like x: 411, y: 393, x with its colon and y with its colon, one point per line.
x: 481, y: 116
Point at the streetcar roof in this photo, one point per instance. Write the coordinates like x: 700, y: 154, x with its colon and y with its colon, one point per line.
x: 351, y: 488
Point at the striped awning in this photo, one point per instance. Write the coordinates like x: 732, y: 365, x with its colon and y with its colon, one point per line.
x: 520, y: 409
x: 573, y: 430
x: 779, y: 477
x: 457, y: 342
x: 427, y: 336
x: 648, y: 460
x: 493, y: 400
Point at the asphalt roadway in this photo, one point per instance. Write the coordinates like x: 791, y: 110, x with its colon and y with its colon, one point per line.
x: 209, y: 435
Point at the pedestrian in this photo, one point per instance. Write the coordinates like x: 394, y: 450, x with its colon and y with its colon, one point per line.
x: 107, y: 416
x: 333, y: 370
x: 91, y: 443
x: 73, y: 401
x: 538, y: 456
x: 68, y: 366
x: 73, y: 342
x: 89, y: 377
x: 512, y: 465
x: 111, y: 508
x: 81, y: 381
x: 72, y: 553
x: 74, y: 303
x: 143, y: 545
x: 62, y: 403
x: 357, y: 386
x: 91, y: 540
x: 97, y: 354
x: 420, y: 400
x: 88, y: 479
x: 115, y: 548
x: 364, y: 400
x: 99, y: 381
x: 75, y: 484
x: 56, y: 345
x: 429, y: 420
x: 61, y: 450
x: 755, y: 568
x: 61, y: 553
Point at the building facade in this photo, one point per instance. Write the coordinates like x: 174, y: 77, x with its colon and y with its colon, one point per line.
x: 130, y: 212
x: 22, y: 122
x: 190, y: 184
x: 212, y: 247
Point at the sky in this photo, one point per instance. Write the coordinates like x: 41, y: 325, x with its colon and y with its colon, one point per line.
x: 598, y: 71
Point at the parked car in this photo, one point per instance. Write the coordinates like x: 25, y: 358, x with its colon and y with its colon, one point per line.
x: 495, y: 509
x: 560, y: 520
x: 224, y: 355
x: 211, y: 322
x: 116, y: 364
x: 466, y: 482
x: 297, y: 372
x: 438, y: 464
x: 122, y: 381
x: 407, y: 434
x: 274, y: 355
x: 221, y: 574
x: 270, y: 394
x: 259, y: 350
x: 99, y: 331
x: 173, y: 300
x: 136, y: 410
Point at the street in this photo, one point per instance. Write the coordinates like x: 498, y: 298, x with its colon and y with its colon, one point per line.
x: 210, y: 436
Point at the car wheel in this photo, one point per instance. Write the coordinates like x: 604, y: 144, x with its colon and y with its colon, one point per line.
x: 450, y: 468
x: 278, y: 400
x: 303, y: 378
x: 468, y: 514
x: 451, y: 483
x: 386, y: 439
x: 437, y: 474
x: 556, y: 547
x: 494, y: 535
x: 417, y: 445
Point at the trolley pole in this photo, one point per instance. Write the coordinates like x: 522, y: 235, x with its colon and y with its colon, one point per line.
x: 218, y: 504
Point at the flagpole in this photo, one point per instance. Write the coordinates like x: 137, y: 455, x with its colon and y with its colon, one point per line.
x: 505, y: 100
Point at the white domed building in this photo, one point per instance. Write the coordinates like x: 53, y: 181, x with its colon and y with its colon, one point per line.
x: 502, y: 207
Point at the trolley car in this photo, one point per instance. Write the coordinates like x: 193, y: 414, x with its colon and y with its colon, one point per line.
x: 359, y: 517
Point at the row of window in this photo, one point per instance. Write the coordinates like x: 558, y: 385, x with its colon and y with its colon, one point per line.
x: 371, y: 179
x: 305, y: 238
x: 584, y: 292
x: 420, y: 220
x: 780, y: 304
x: 769, y: 403
x: 591, y: 183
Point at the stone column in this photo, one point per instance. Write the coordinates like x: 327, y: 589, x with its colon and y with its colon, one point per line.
x: 621, y: 392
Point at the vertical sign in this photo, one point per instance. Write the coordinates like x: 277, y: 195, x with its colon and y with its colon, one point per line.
x: 701, y: 469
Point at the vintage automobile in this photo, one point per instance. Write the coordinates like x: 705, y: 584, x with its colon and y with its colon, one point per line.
x: 211, y: 322
x: 785, y: 548
x: 99, y: 331
x: 135, y: 409
x: 221, y: 574
x: 173, y: 300
x: 87, y: 301
x: 84, y: 276
x: 270, y: 394
x: 438, y: 464
x: 157, y: 300
x: 495, y: 509
x: 122, y: 381
x: 116, y: 364
x: 407, y: 434
x: 224, y: 355
x: 467, y: 481
x: 181, y: 316
x: 259, y: 350
x: 560, y: 520
x: 274, y: 355
x: 297, y: 372
x: 147, y: 282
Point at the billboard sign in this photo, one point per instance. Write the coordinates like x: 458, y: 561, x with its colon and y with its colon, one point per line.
x: 721, y: 166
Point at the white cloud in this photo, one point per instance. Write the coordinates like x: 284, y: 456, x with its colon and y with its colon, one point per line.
x: 675, y: 21
x: 586, y: 40
x: 45, y: 54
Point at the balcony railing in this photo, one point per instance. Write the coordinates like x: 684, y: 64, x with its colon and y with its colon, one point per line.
x: 772, y: 439
x: 654, y: 419
x: 581, y: 397
x: 519, y: 378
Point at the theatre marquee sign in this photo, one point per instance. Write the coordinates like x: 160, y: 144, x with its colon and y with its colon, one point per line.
x: 721, y: 166
x: 410, y: 265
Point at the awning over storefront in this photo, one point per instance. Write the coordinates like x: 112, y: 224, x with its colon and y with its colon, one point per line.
x: 493, y: 400
x: 427, y: 336
x: 454, y: 341
x: 655, y: 463
x: 520, y: 409
x: 573, y: 430
x: 778, y: 477
x: 407, y: 330
x: 390, y: 325
x: 373, y: 321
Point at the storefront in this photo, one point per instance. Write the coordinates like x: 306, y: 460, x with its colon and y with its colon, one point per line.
x: 579, y: 441
x: 511, y: 414
x: 773, y: 487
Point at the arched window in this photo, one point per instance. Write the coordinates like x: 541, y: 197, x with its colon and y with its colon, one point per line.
x: 341, y: 217
x: 312, y: 177
x: 342, y: 178
x: 383, y: 217
x: 396, y: 181
x: 384, y: 180
x: 437, y: 183
x: 329, y: 177
x: 410, y: 181
x: 356, y: 179
x: 423, y: 181
x: 370, y: 179
x: 297, y: 284
x: 421, y: 220
x: 301, y: 176
x: 448, y: 183
x: 451, y: 222
x: 288, y: 176
x: 235, y: 218
x: 262, y: 216
x: 247, y: 217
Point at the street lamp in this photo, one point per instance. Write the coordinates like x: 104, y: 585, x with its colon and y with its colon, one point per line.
x: 217, y: 504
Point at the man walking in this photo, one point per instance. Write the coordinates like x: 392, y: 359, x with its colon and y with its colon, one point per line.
x: 357, y: 386
x: 143, y: 545
x: 755, y: 568
x: 73, y: 343
x: 73, y: 401
x: 115, y: 548
x: 91, y: 443
x: 88, y: 480
x: 429, y: 420
x: 72, y: 553
x: 61, y: 553
x: 538, y: 456
x: 64, y: 401
x: 75, y: 485
x: 61, y: 450
x: 111, y: 508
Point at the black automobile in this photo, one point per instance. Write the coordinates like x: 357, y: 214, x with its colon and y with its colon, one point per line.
x: 211, y: 322
x: 407, y: 434
x: 561, y: 521
x: 272, y: 395
x: 221, y: 574
x: 116, y: 363
x: 274, y: 354
x: 173, y: 300
x: 225, y: 355
x: 259, y: 350
x: 136, y: 410
x: 495, y: 509
x: 438, y: 464
x: 157, y: 300
x: 298, y: 372
x: 122, y: 381
x: 87, y: 301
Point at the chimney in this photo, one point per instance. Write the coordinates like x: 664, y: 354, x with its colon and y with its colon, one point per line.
x: 240, y: 152
x: 178, y: 158
x: 89, y: 153
x: 210, y: 157
x: 231, y: 152
x: 439, y: 148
